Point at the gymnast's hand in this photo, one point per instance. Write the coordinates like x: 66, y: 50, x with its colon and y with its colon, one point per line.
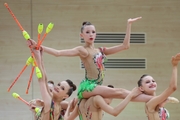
x: 175, y: 59
x: 32, y: 106
x: 72, y: 104
x: 135, y: 92
x: 37, y: 102
x: 31, y: 43
x: 131, y: 20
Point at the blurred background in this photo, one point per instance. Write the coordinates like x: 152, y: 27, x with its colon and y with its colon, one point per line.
x: 160, y: 26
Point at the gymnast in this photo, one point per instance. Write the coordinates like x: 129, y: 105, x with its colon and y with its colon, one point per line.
x: 148, y: 86
x: 52, y: 108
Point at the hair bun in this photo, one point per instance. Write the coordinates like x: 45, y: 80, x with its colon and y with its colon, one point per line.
x: 86, y: 23
x: 74, y: 87
x: 71, y: 84
x: 111, y: 86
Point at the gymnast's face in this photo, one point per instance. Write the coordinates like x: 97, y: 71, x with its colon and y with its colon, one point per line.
x: 61, y: 90
x: 89, y: 34
x: 148, y: 85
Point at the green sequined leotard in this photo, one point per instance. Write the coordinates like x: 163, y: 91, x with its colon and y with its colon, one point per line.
x: 94, y: 68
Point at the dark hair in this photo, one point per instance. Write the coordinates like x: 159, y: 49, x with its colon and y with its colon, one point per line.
x: 85, y: 24
x: 51, y: 82
x: 111, y: 86
x: 140, y: 80
x: 72, y: 87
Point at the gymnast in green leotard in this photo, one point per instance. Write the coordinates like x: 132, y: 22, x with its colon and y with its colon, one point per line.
x: 93, y: 59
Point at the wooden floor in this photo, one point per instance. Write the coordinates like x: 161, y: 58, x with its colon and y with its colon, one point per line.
x: 160, y: 22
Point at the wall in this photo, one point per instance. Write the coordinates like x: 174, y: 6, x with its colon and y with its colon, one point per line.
x: 160, y: 22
